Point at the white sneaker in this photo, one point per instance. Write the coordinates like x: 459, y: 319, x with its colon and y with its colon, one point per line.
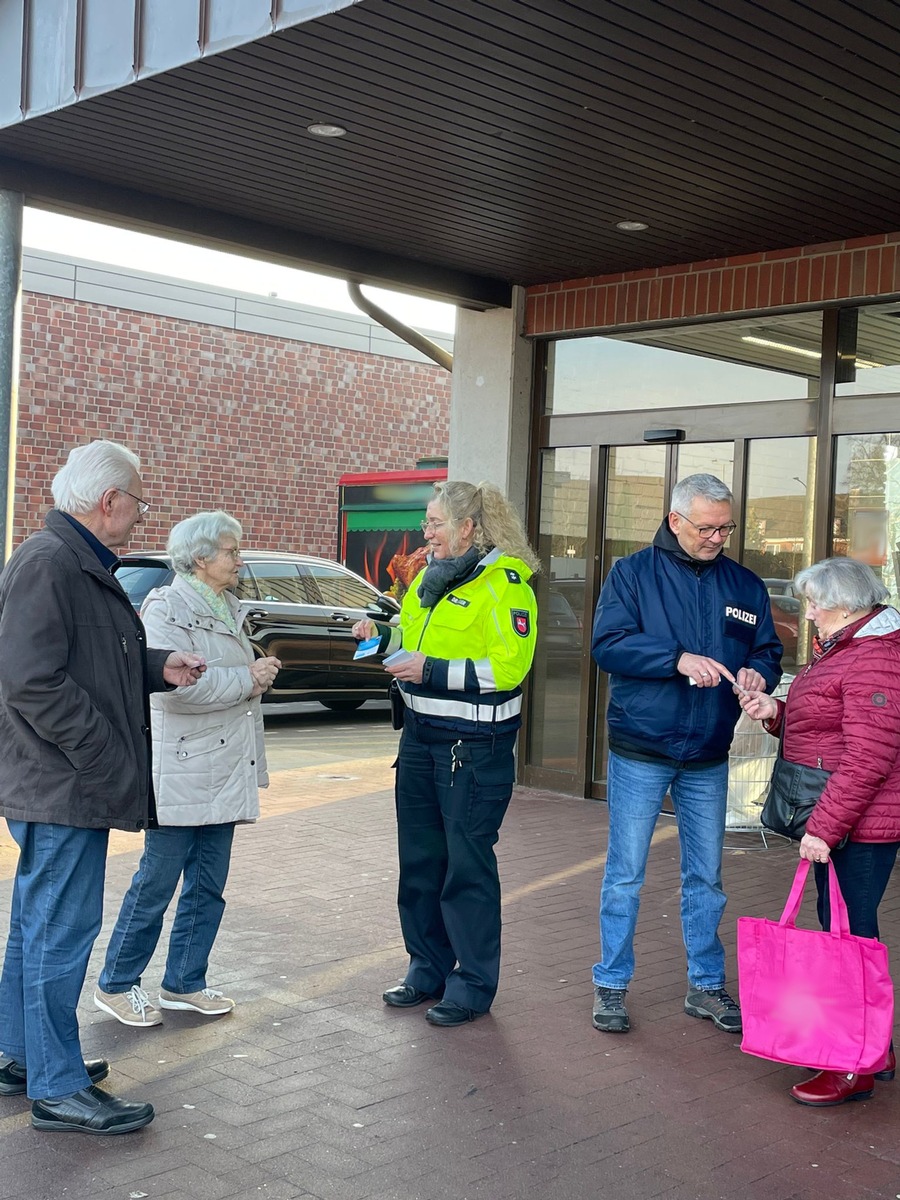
x: 208, y: 1001
x: 131, y: 1008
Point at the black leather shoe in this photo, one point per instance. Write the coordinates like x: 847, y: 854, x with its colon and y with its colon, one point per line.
x: 14, y: 1080
x: 405, y: 996
x: 450, y: 1013
x: 90, y: 1111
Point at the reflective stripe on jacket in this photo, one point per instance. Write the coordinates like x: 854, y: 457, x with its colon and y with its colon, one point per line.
x: 478, y: 640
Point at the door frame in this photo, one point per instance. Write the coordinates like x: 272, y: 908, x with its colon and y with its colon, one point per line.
x: 600, y: 432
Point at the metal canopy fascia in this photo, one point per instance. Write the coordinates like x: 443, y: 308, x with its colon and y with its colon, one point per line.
x: 54, y: 53
x: 81, y: 197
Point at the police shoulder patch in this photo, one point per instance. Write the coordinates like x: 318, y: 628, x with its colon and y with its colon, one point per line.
x: 512, y: 576
x: 521, y: 621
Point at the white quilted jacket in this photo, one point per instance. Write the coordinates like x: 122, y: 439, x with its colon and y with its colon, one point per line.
x: 209, y: 757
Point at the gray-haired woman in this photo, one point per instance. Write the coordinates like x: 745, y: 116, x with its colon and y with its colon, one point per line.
x: 842, y: 714
x: 209, y: 761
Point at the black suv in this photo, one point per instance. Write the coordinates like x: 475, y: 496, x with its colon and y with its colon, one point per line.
x: 301, y: 609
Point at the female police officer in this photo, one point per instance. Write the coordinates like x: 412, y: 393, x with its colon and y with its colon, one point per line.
x: 468, y: 625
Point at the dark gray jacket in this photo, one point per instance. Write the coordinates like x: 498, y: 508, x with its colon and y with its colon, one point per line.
x: 75, y: 674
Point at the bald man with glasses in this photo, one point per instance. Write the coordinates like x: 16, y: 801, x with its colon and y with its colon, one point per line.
x: 680, y: 629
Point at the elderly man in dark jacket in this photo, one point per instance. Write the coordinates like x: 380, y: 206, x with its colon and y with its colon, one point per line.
x: 75, y: 674
x: 676, y: 626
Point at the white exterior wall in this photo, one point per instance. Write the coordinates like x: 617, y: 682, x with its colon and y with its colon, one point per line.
x: 490, y: 406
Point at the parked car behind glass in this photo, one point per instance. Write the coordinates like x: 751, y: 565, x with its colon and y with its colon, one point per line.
x: 299, y: 609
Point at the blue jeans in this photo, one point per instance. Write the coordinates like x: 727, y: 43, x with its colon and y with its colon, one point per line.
x: 635, y: 792
x: 203, y: 854
x: 56, y: 912
x: 863, y: 870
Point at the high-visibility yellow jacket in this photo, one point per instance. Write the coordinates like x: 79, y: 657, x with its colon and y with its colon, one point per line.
x: 478, y: 640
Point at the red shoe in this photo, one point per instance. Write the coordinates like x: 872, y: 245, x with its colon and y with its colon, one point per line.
x: 829, y: 1088
x: 887, y: 1072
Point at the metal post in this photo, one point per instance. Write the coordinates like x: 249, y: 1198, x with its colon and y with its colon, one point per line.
x: 11, y: 207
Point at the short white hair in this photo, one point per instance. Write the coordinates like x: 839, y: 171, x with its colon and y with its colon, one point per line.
x: 89, y: 472
x: 699, y: 487
x: 198, y: 537
x: 841, y: 583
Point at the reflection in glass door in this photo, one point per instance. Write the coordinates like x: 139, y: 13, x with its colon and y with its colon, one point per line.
x: 634, y: 505
x: 556, y: 719
x: 778, y: 530
x: 867, y: 504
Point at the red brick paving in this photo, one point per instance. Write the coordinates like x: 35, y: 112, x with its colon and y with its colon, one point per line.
x: 312, y: 1088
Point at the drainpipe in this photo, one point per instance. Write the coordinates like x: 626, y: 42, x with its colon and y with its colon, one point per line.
x: 419, y: 341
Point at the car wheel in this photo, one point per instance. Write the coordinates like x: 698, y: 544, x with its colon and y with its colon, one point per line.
x: 342, y: 705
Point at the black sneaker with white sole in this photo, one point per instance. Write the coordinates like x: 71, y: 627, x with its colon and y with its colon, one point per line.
x: 718, y: 1006
x: 610, y: 1014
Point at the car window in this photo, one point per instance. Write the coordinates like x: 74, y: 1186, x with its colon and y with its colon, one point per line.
x: 245, y: 588
x: 139, y: 580
x: 341, y: 589
x: 284, y: 583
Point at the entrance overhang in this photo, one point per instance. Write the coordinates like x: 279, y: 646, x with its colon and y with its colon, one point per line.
x: 505, y: 142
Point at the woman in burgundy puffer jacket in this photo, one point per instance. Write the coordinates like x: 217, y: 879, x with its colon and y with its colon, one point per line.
x: 843, y: 714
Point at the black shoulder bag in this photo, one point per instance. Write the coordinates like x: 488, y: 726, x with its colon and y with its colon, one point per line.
x: 793, y: 793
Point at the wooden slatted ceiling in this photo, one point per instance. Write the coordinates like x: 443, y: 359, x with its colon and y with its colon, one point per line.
x: 507, y: 137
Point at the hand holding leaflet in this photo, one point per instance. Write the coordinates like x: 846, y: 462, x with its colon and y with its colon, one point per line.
x: 368, y: 647
x: 398, y: 657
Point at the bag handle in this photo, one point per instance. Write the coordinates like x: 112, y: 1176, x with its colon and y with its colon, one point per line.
x: 840, y: 920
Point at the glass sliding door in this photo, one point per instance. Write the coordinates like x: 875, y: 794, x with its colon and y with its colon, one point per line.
x: 778, y: 530
x: 556, y: 721
x: 634, y: 505
x: 866, y: 518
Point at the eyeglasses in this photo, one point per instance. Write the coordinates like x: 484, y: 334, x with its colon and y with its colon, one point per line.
x: 432, y: 525
x: 143, y: 506
x: 234, y: 553
x: 706, y: 531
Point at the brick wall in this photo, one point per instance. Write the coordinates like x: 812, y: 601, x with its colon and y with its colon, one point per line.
x: 257, y: 425
x: 858, y: 268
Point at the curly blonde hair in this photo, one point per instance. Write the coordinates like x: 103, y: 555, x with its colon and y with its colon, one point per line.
x: 497, y: 524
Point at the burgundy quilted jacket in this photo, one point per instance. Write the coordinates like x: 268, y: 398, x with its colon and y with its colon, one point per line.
x: 843, y: 714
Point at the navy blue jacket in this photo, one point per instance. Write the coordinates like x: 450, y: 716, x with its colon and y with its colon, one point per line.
x: 655, y: 605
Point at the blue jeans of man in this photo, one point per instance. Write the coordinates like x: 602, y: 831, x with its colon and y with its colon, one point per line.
x: 202, y: 853
x: 448, y: 822
x: 635, y: 793
x: 55, y: 916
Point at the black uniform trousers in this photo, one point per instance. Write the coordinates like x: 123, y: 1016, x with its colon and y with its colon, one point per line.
x: 448, y: 822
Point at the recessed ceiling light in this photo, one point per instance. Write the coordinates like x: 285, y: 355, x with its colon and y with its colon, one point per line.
x: 319, y: 129
x: 632, y: 226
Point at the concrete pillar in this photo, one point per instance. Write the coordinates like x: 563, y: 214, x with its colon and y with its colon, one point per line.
x: 490, y: 399
x: 11, y: 207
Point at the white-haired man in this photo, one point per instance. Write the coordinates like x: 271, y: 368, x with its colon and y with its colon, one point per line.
x: 676, y: 614
x: 75, y: 674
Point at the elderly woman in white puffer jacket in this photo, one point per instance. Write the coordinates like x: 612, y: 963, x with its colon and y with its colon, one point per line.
x: 209, y: 761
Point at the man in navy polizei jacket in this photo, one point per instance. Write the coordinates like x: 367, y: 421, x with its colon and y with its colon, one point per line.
x: 677, y: 625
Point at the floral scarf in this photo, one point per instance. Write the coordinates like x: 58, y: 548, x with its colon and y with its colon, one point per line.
x: 215, y: 601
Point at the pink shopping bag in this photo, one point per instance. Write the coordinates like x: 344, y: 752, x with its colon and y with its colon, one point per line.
x: 815, y: 999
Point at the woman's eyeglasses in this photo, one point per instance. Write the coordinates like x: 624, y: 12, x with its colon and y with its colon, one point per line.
x: 432, y: 525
